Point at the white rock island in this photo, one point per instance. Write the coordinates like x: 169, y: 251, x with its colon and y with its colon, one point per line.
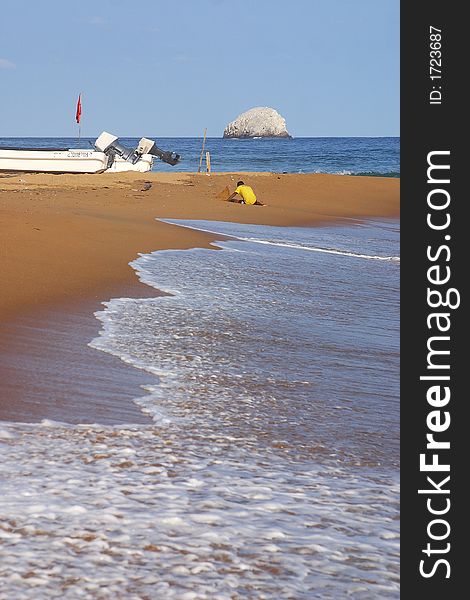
x: 257, y: 122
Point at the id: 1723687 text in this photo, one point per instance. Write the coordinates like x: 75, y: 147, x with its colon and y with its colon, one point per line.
x: 435, y: 65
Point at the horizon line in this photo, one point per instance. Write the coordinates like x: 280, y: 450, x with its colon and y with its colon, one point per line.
x: 200, y: 136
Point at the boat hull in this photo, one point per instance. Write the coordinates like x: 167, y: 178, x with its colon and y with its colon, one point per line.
x: 143, y: 165
x: 68, y: 161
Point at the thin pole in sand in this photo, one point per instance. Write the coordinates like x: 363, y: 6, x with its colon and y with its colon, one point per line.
x: 208, y: 163
x: 202, y: 150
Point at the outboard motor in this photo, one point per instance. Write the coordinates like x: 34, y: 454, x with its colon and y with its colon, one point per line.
x: 147, y: 146
x: 109, y: 144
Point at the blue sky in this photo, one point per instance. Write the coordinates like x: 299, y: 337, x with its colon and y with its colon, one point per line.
x: 172, y: 67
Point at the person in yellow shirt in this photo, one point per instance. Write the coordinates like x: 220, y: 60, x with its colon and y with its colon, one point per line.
x: 245, y: 194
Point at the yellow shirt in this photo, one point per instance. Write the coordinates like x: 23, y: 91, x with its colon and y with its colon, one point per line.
x: 246, y: 193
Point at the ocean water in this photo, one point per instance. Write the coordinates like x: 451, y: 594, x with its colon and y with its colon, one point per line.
x: 271, y: 469
x: 347, y: 156
x: 289, y: 334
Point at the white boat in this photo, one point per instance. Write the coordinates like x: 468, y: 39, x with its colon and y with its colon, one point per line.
x: 107, y: 156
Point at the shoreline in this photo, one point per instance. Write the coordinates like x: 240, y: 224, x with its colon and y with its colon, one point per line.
x: 67, y: 244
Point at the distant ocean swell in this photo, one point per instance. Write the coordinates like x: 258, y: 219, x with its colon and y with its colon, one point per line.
x: 376, y: 174
x: 372, y: 157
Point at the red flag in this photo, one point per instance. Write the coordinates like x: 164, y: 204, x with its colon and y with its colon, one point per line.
x: 78, y: 114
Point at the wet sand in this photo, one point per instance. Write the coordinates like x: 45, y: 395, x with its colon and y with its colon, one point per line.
x: 47, y: 370
x: 66, y: 241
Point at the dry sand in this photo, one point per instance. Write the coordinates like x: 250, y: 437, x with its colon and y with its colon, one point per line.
x: 66, y: 241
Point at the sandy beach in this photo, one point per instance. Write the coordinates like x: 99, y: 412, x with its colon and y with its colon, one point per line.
x: 66, y: 241
x: 239, y: 437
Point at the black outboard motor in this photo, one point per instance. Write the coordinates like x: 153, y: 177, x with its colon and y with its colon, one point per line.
x: 169, y: 157
x: 109, y: 144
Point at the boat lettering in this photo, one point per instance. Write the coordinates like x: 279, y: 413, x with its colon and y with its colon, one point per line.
x: 78, y: 154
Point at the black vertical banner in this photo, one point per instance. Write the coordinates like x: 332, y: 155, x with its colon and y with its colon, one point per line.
x: 433, y: 258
